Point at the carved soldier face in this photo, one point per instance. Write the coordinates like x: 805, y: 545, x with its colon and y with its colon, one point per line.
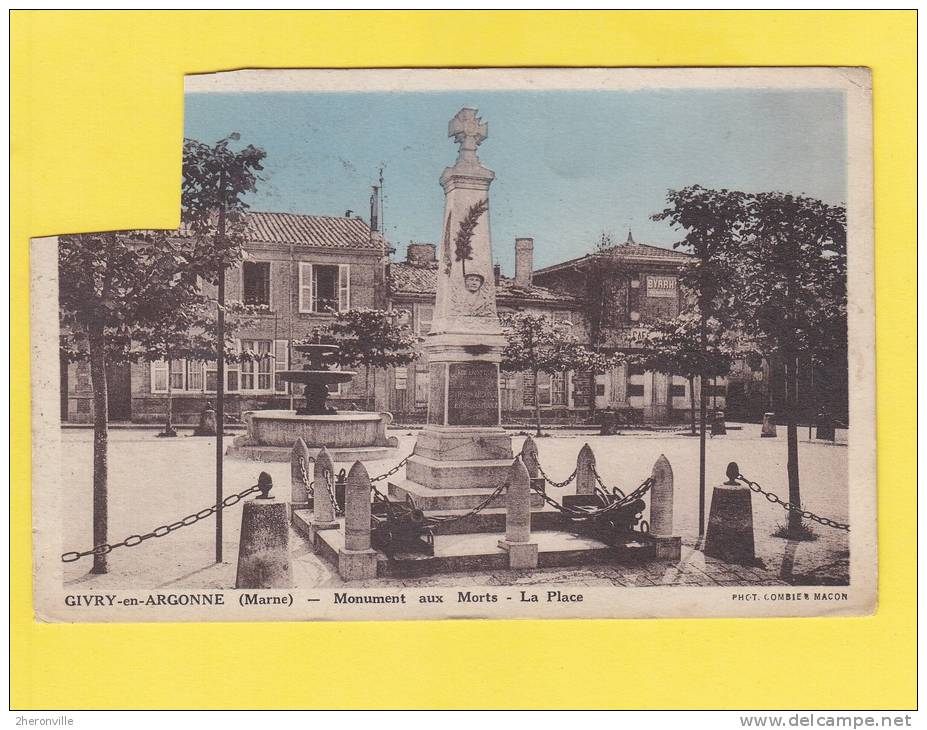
x: 473, y: 282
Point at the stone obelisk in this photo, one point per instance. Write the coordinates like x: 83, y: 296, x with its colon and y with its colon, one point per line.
x: 463, y: 446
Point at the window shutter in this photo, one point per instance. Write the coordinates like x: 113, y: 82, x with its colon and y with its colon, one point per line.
x: 305, y: 287
x: 281, y: 362
x: 159, y: 377
x: 344, y: 287
x: 232, y: 371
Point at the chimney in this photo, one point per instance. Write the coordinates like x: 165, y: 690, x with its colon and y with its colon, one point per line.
x: 497, y: 272
x: 524, y: 262
x: 420, y: 254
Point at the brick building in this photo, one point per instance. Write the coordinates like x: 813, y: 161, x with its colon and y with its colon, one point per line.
x: 297, y: 271
x: 643, y: 287
x: 412, y: 286
x: 300, y: 268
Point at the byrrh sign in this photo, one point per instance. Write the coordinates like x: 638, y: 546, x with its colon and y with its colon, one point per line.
x: 661, y: 286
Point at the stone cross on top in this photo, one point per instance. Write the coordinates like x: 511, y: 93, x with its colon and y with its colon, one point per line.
x: 468, y: 130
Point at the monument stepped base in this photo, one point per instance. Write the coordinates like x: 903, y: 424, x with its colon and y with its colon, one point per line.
x: 432, y: 500
x: 480, y: 551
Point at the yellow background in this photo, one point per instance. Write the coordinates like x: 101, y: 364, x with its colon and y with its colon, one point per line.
x: 97, y: 105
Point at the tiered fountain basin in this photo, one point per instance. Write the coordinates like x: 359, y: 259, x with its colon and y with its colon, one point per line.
x: 348, y: 435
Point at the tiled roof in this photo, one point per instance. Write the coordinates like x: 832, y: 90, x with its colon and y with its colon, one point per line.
x: 405, y: 278
x: 305, y: 230
x: 311, y: 230
x: 644, y: 250
x: 631, y: 251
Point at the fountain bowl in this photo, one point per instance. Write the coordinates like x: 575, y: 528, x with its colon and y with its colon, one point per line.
x: 348, y: 435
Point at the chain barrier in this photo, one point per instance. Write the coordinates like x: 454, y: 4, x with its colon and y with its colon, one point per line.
x: 310, y: 486
x: 443, y: 520
x: 331, y: 492
x: 614, y: 506
x: 555, y: 485
x: 161, y: 530
x: 446, y: 518
x: 392, y: 471
x: 789, y: 507
x: 603, y: 486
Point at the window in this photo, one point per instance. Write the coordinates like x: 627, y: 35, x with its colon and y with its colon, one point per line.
x: 425, y: 314
x: 256, y: 282
x: 677, y: 391
x: 83, y: 375
x: 194, y: 376
x: 178, y: 373
x: 159, y: 377
x: 281, y: 362
x: 211, y: 377
x: 256, y: 372
x: 185, y: 376
x: 552, y: 389
x: 558, y: 390
x: 231, y: 375
x: 544, y: 389
x: 324, y: 287
x: 635, y: 390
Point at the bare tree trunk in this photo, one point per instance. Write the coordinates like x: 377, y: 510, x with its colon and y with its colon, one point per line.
x: 692, y: 402
x: 367, y: 395
x: 703, y: 339
x: 169, y: 422
x: 537, y: 404
x: 791, y: 406
x: 97, y: 345
x: 592, y: 387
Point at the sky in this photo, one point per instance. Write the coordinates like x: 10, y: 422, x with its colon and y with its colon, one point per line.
x: 569, y: 165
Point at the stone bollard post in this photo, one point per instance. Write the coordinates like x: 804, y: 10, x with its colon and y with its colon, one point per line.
x: 585, y: 471
x: 718, y: 426
x: 668, y: 545
x: 730, y: 522
x: 207, y: 424
x: 264, y: 543
x: 323, y: 510
x: 299, y: 492
x: 529, y: 455
x: 356, y: 560
x: 769, y: 426
x: 522, y: 553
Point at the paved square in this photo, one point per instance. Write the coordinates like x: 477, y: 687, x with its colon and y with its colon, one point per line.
x: 156, y: 481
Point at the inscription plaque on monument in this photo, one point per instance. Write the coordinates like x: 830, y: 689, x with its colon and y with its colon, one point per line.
x: 436, y: 393
x: 473, y: 394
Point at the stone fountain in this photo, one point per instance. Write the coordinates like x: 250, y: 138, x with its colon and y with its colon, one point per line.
x: 348, y: 435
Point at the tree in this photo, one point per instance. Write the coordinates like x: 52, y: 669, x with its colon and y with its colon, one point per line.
x: 185, y: 328
x: 714, y: 221
x: 792, y: 261
x: 602, y: 281
x: 107, y: 284
x: 675, y: 347
x: 772, y: 265
x: 216, y: 180
x: 373, y: 338
x: 535, y: 344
